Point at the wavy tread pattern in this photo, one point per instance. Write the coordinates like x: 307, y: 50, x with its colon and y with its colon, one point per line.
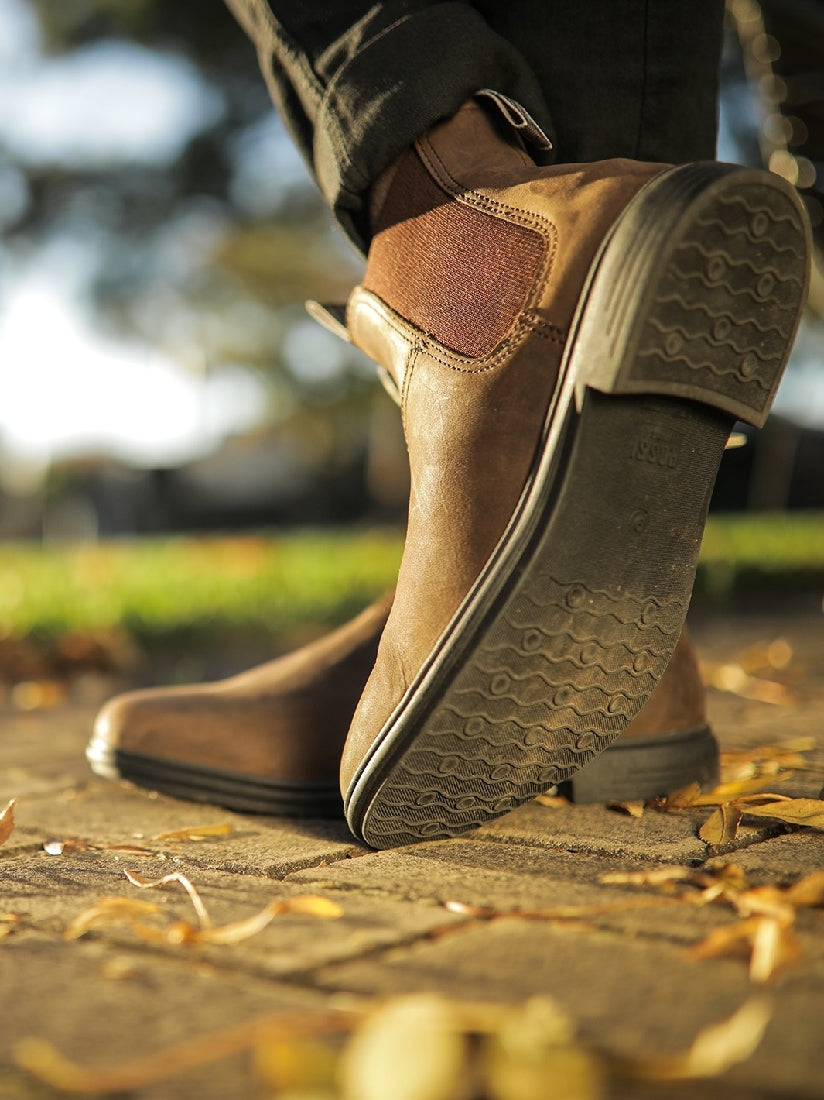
x: 726, y: 308
x: 556, y: 679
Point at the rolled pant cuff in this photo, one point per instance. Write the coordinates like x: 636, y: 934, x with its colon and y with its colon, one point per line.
x: 399, y: 84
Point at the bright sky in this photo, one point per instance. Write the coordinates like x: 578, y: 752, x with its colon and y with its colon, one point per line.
x: 64, y: 387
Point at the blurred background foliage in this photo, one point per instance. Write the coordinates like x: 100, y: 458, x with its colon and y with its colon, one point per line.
x: 165, y: 232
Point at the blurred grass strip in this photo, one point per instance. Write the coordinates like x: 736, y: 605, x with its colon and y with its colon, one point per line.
x: 278, y: 584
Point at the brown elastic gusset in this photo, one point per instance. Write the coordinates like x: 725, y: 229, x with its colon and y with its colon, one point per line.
x: 431, y: 259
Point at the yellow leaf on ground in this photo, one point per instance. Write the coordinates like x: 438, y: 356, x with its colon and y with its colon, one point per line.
x: 7, y: 821
x: 774, y: 946
x: 311, y: 905
x: 715, y: 1049
x: 795, y: 811
x: 411, y: 1048
x: 730, y: 792
x: 108, y: 911
x: 680, y: 799
x: 657, y: 876
x: 721, y: 827
x: 808, y: 892
x: 553, y: 801
x: 197, y: 832
x: 634, y: 809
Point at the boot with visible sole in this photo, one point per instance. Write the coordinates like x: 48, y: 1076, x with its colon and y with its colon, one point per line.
x: 571, y: 346
x: 270, y: 740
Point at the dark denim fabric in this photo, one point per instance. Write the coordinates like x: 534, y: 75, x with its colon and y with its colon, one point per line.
x: 356, y: 83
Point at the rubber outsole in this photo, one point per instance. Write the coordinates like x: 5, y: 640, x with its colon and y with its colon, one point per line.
x: 232, y: 790
x: 684, y: 324
x: 639, y: 769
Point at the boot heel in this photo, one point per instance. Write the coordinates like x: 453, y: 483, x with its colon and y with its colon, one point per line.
x: 698, y: 291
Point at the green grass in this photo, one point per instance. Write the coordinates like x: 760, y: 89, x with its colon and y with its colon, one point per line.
x: 276, y: 585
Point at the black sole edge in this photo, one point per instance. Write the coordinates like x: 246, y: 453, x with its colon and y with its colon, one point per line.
x: 231, y: 790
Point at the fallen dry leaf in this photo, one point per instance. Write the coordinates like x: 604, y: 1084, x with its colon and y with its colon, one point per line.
x: 763, y: 760
x: 175, y: 876
x: 109, y: 911
x: 769, y: 944
x: 311, y: 905
x: 714, y: 1050
x: 45, y: 1063
x: 62, y: 847
x: 383, y: 1058
x: 774, y: 946
x: 730, y: 677
x: 808, y: 892
x: 657, y: 876
x: 721, y: 826
x: 553, y: 801
x: 794, y: 811
x: 732, y: 792
x: 7, y: 821
x: 634, y: 809
x: 197, y: 832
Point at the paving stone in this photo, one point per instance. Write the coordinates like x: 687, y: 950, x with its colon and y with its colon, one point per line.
x: 597, y: 830
x: 515, y: 877
x: 102, y: 1006
x: 47, y: 893
x: 628, y: 996
x: 783, y: 859
x: 621, y: 971
x: 106, y: 813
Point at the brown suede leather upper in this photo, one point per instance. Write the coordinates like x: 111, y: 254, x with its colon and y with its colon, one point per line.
x: 472, y: 424
x: 285, y: 720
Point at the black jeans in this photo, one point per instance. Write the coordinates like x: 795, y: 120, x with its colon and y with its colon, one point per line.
x: 356, y: 83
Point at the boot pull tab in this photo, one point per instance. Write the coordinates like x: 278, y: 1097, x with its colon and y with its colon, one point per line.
x: 518, y: 118
x: 331, y: 317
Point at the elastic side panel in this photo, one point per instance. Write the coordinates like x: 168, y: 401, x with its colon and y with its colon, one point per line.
x: 455, y: 272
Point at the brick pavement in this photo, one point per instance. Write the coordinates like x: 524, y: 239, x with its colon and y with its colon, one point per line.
x: 622, y: 972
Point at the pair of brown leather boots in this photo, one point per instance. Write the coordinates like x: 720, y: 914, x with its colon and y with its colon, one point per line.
x: 570, y: 347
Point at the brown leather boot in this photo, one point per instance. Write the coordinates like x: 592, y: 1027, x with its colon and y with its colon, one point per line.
x: 266, y: 741
x: 571, y: 346
x: 270, y: 740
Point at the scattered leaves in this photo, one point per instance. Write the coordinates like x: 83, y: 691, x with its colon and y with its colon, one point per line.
x: 414, y: 1047
x: 197, y: 832
x: 770, y: 944
x: 766, y: 760
x: 764, y: 935
x: 45, y: 1063
x: 7, y: 821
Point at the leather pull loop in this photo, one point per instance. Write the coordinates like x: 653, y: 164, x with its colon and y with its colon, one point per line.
x: 332, y: 317
x: 518, y: 118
